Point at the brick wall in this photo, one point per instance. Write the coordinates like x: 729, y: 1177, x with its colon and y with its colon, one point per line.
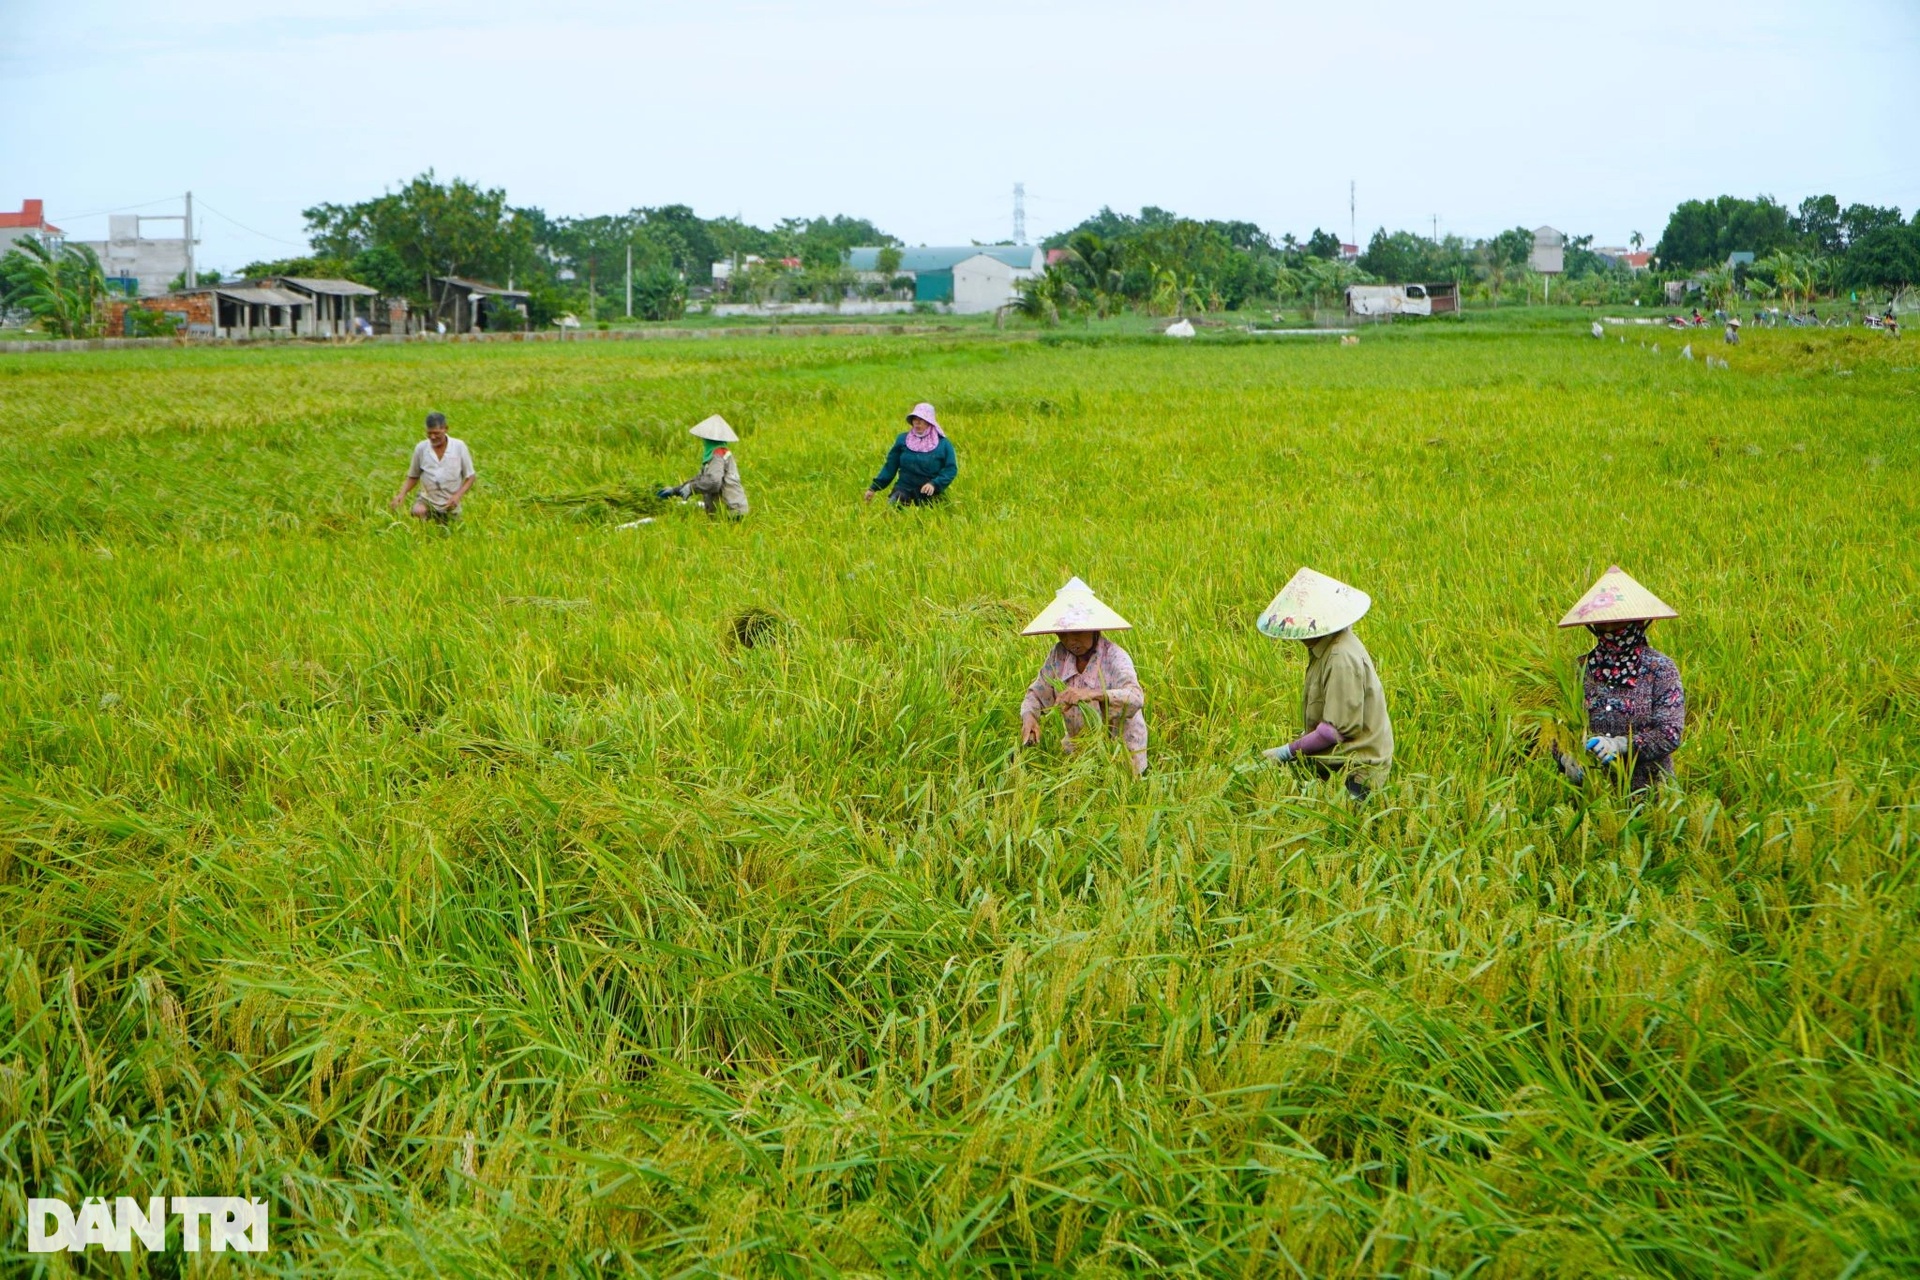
x: 197, y: 308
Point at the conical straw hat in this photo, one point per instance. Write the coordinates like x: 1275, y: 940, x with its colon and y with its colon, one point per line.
x: 1312, y: 605
x: 714, y: 428
x: 1076, y: 608
x: 1617, y: 598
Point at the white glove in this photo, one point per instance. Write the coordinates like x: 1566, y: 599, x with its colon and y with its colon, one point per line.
x: 1279, y: 755
x: 1608, y: 749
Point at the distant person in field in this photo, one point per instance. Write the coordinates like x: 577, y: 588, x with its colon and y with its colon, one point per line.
x: 1343, y: 708
x: 441, y: 469
x: 921, y: 464
x: 1733, y: 331
x: 1085, y: 671
x: 719, y: 478
x: 1636, y: 709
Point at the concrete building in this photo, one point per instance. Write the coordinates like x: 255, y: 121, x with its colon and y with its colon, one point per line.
x: 971, y: 278
x: 335, y: 306
x: 143, y: 266
x: 462, y: 304
x: 31, y: 220
x: 223, y: 311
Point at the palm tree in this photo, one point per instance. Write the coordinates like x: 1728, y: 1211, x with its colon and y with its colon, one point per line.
x: 1041, y: 297
x: 1636, y: 240
x: 63, y: 290
x: 1097, y: 270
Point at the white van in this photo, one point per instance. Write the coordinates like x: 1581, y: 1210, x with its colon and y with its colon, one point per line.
x: 1401, y: 299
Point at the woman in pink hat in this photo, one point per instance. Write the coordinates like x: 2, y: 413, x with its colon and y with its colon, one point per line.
x: 921, y: 463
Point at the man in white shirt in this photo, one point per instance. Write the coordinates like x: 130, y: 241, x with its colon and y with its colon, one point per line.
x: 443, y: 470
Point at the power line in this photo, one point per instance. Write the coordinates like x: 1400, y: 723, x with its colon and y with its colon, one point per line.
x: 263, y: 235
x: 77, y: 217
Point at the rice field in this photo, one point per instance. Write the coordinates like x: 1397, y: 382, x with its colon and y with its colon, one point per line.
x: 541, y: 896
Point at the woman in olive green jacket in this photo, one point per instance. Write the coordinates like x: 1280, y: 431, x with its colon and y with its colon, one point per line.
x: 1343, y: 708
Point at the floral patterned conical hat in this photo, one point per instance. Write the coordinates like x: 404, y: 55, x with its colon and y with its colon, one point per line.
x: 1312, y: 605
x: 1617, y: 598
x: 1076, y: 608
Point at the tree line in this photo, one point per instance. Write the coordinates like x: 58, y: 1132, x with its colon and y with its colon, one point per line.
x: 396, y: 241
x: 1817, y: 247
x: 1155, y: 261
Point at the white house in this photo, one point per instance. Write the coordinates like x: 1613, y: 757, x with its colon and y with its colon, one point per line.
x: 972, y: 278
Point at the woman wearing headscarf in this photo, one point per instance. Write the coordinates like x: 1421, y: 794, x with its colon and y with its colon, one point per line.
x: 1085, y: 670
x: 1343, y: 708
x: 921, y: 464
x: 719, y: 478
x: 1636, y: 709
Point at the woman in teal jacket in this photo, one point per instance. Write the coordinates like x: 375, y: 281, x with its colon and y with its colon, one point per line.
x: 921, y: 463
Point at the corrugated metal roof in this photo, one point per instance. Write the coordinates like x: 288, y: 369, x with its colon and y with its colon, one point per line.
x: 343, y: 288
x: 476, y: 286
x: 1023, y: 257
x: 261, y: 297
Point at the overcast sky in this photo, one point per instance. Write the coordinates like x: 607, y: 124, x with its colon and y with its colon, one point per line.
x: 921, y: 114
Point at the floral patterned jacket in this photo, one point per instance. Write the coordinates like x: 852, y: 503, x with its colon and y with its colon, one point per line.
x: 1653, y: 712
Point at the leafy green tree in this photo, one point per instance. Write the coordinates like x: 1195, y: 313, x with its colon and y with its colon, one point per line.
x: 1401, y: 257
x: 1323, y: 244
x: 688, y: 240
x: 596, y: 250
x: 454, y: 228
x: 380, y: 268
x: 1862, y: 220
x: 63, y: 289
x: 1510, y: 247
x: 1701, y: 233
x: 823, y: 242
x: 1886, y: 257
x: 1109, y: 225
x: 1692, y: 237
x: 320, y: 268
x: 1817, y: 223
x: 201, y: 277
x: 659, y: 293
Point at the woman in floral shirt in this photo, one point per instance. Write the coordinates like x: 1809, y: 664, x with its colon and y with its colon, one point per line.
x: 1085, y: 669
x: 1636, y: 708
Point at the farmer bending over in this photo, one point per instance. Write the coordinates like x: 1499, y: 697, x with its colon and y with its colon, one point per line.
x: 719, y: 478
x: 442, y: 469
x: 1085, y: 669
x: 1636, y: 708
x: 1342, y: 705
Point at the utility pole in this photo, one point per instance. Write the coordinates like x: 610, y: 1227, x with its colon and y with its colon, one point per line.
x: 1019, y: 213
x: 193, y: 276
x: 629, y: 281
x: 1436, y: 228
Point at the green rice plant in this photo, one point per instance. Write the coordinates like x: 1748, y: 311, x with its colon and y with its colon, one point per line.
x: 540, y: 896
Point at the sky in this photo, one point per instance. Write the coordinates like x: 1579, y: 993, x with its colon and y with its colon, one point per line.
x: 1463, y: 118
